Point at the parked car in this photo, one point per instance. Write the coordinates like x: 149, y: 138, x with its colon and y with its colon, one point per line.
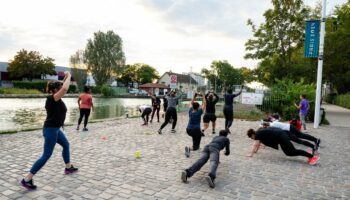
x: 138, y: 92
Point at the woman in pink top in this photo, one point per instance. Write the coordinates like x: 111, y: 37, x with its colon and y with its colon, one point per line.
x: 85, y: 105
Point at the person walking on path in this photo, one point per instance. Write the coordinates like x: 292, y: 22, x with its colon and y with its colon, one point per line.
x: 273, y: 137
x: 156, y: 106
x: 228, y: 107
x: 211, y: 99
x: 194, y: 124
x: 146, y: 111
x: 212, y: 152
x: 294, y: 132
x: 56, y: 114
x: 171, y: 112
x: 85, y: 105
x: 303, y: 109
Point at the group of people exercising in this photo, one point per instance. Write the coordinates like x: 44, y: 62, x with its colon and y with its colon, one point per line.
x: 272, y: 134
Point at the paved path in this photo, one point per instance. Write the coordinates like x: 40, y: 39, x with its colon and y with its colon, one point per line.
x: 337, y: 116
x: 108, y: 168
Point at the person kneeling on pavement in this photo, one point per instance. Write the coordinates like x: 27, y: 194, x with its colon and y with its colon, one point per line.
x: 211, y: 151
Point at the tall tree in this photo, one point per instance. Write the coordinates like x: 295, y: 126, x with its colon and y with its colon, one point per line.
x: 104, y: 56
x: 30, y: 65
x: 337, y: 51
x: 275, y: 40
x: 145, y: 73
x: 78, y: 68
x: 128, y: 75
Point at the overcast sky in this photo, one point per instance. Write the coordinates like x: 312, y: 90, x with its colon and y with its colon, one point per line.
x: 166, y: 34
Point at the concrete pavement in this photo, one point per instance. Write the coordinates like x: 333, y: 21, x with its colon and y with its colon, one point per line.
x: 337, y: 116
x: 108, y: 168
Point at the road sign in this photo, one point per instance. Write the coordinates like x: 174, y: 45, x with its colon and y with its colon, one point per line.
x: 173, y: 81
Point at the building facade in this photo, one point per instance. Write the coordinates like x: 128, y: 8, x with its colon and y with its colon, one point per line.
x: 184, y: 81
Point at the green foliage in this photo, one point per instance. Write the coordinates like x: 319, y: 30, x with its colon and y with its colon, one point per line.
x: 138, y: 73
x: 224, y: 75
x: 78, y: 69
x: 104, y: 56
x: 30, y: 65
x: 107, y: 91
x: 38, y: 85
x: 284, y: 94
x: 337, y: 51
x: 343, y: 100
x: 18, y: 91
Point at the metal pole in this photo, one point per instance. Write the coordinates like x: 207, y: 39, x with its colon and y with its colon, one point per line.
x: 320, y: 66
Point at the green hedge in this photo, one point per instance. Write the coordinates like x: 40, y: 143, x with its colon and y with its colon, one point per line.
x: 38, y: 85
x: 343, y: 100
x: 18, y: 91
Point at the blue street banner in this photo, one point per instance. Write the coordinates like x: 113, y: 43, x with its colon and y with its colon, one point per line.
x: 312, y: 38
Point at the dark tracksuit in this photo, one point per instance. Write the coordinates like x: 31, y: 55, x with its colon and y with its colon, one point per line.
x: 212, y: 152
x: 301, y: 135
x: 146, y: 111
x: 228, y: 109
x: 171, y: 112
x: 156, y: 107
x: 210, y: 109
x: 273, y: 137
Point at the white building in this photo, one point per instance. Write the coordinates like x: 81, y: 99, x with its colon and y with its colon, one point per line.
x: 184, y: 82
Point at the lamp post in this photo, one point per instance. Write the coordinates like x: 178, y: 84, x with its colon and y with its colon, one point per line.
x: 320, y: 66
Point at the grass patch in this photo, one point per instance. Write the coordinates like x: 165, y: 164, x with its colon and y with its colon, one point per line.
x: 252, y: 115
x: 18, y: 91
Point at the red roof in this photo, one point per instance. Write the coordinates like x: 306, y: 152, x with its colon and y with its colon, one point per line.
x: 153, y: 85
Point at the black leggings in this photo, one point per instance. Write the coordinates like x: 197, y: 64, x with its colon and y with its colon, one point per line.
x: 84, y: 112
x: 155, y: 108
x: 296, y: 139
x: 228, y: 112
x: 170, y: 113
x: 289, y: 149
x: 196, y: 135
x: 146, y: 114
x: 301, y: 135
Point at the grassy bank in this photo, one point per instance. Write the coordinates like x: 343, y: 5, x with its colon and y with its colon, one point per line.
x: 18, y: 91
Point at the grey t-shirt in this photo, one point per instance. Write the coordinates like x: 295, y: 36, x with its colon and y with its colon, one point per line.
x: 172, y: 100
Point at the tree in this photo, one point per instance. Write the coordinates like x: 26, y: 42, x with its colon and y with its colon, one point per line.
x: 337, y: 52
x: 30, y: 65
x: 104, y: 56
x: 223, y: 75
x: 128, y: 75
x: 145, y: 73
x: 275, y: 40
x: 78, y: 68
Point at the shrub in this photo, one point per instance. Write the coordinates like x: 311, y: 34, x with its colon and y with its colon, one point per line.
x: 18, y: 91
x: 284, y: 94
x: 107, y: 91
x: 343, y: 100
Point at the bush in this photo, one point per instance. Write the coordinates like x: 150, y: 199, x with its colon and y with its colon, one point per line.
x: 284, y: 94
x: 18, y: 91
x: 107, y: 91
x: 38, y: 85
x: 343, y: 100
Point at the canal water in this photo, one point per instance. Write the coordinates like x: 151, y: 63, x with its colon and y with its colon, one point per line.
x: 20, y: 113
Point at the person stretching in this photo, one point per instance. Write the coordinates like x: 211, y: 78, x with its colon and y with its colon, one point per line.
x: 171, y: 112
x: 85, y: 105
x: 156, y: 106
x: 211, y: 99
x: 56, y: 113
x: 212, y: 152
x: 273, y: 137
x: 146, y: 111
x: 294, y: 131
x: 194, y: 124
x: 228, y: 107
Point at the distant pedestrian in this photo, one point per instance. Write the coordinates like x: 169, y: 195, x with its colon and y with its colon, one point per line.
x: 145, y: 111
x: 273, y: 137
x: 194, y: 123
x: 212, y: 152
x: 56, y: 114
x: 303, y: 109
x: 211, y: 99
x: 228, y: 107
x: 171, y: 112
x: 155, y: 106
x: 85, y: 105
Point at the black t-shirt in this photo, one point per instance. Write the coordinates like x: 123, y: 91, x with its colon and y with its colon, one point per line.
x: 269, y: 136
x: 229, y: 98
x: 156, y: 102
x: 220, y: 142
x: 210, y: 107
x: 56, y: 112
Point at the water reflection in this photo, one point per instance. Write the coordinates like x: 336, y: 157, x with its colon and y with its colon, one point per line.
x: 25, y: 113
